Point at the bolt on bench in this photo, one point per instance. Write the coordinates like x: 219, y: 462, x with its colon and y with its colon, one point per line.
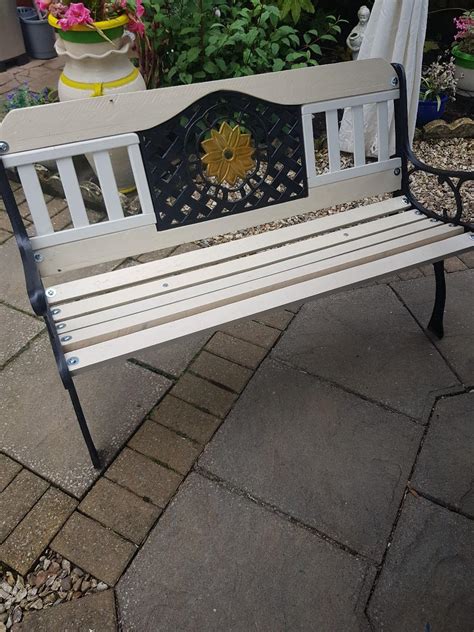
x: 209, y: 159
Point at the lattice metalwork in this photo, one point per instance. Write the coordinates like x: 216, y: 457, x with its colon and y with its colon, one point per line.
x: 186, y: 191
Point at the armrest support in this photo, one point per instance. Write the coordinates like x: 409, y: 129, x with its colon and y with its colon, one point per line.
x: 34, y: 284
x: 452, y: 178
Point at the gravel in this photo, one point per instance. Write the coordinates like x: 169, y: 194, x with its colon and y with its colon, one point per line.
x: 54, y: 580
x: 452, y: 153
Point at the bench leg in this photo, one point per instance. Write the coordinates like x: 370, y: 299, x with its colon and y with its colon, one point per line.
x: 436, y: 321
x: 83, y: 425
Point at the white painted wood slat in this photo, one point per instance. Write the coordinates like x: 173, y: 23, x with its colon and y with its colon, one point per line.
x: 35, y: 198
x: 235, y: 288
x: 187, y: 261
x: 141, y: 182
x: 309, y: 149
x: 347, y: 102
x: 316, y: 248
x: 383, y: 131
x: 358, y: 135
x: 129, y: 344
x: 108, y: 185
x: 332, y: 127
x: 350, y: 173
x: 72, y: 191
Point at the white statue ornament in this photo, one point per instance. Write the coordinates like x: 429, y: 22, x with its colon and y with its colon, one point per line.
x: 354, y: 41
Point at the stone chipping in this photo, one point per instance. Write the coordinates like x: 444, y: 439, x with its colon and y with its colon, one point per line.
x: 52, y: 581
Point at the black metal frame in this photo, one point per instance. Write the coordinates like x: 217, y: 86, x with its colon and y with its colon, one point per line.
x: 37, y: 296
x: 445, y: 176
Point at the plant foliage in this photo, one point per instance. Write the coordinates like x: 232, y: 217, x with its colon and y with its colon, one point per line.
x: 199, y: 40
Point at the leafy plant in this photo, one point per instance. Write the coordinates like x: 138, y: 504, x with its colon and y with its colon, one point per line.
x: 191, y: 40
x: 438, y: 80
x: 23, y: 97
x: 295, y: 7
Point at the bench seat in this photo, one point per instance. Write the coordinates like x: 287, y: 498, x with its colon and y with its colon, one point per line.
x: 116, y: 314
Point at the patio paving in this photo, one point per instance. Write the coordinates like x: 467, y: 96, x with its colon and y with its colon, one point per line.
x: 310, y: 469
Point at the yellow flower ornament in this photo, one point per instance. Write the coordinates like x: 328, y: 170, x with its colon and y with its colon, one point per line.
x: 229, y: 155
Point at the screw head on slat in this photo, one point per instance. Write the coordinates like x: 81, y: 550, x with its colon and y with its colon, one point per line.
x: 397, y: 171
x: 418, y: 213
x: 61, y: 326
x: 55, y: 311
x: 66, y: 338
x: 38, y: 257
x: 394, y: 81
x: 51, y: 292
x: 4, y: 147
x: 471, y: 236
x: 72, y: 361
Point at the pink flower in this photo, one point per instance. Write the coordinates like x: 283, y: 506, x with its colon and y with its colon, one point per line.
x: 76, y: 13
x: 43, y: 4
x: 136, y: 27
x: 140, y: 10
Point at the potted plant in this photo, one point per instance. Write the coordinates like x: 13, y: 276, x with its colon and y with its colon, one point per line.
x: 463, y: 52
x: 92, y: 40
x: 438, y: 84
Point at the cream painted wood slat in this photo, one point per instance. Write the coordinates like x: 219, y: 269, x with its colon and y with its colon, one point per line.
x: 63, y: 258
x: 383, y: 131
x: 71, y: 236
x: 72, y: 191
x: 309, y: 148
x: 140, y: 178
x: 358, y: 135
x: 346, y: 102
x: 35, y: 198
x: 175, y: 293
x: 334, y: 151
x: 317, y: 248
x: 351, y: 172
x: 191, y: 260
x: 129, y: 344
x: 234, y: 288
x: 108, y: 185
x: 84, y: 119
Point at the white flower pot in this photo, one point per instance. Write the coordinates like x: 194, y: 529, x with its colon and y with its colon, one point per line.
x: 99, y: 69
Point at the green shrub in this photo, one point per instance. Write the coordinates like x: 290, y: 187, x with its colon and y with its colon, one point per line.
x: 189, y: 40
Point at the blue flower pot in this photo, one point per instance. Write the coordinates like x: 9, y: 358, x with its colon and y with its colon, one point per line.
x: 428, y: 111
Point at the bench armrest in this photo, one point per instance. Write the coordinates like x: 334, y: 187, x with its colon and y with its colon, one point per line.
x: 34, y: 284
x: 452, y: 178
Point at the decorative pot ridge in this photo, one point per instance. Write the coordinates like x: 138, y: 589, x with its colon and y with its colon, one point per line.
x: 61, y: 51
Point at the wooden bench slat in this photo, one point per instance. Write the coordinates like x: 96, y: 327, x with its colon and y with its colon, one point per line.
x: 36, y: 202
x: 130, y: 344
x: 147, y: 271
x: 72, y: 191
x: 332, y: 244
x: 236, y: 287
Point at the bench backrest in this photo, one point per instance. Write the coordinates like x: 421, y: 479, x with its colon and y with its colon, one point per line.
x: 173, y: 136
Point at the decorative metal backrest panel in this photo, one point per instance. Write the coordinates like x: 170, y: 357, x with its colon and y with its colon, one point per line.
x: 225, y: 154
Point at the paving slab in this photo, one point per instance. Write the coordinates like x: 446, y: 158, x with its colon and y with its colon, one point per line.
x: 165, y: 446
x: 144, y: 477
x: 185, y: 418
x: 94, y: 613
x: 92, y: 547
x: 458, y: 342
x: 120, y: 510
x: 38, y: 425
x: 427, y: 575
x: 12, y: 280
x: 17, y: 500
x: 445, y: 466
x: 328, y: 458
x: 367, y: 341
x: 173, y: 357
x: 16, y: 330
x: 216, y: 561
x: 209, y: 397
x: 26, y: 543
x: 8, y: 470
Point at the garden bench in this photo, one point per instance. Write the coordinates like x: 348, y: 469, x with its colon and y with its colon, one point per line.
x: 210, y: 159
